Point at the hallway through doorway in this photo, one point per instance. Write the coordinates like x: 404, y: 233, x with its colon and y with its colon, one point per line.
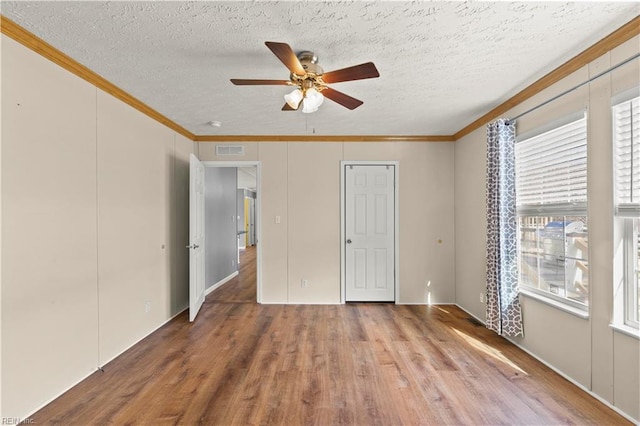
x: 241, y: 288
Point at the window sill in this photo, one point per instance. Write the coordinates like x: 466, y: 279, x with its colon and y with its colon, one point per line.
x: 554, y: 303
x: 625, y: 329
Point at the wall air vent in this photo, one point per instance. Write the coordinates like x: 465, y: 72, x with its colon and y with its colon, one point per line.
x: 224, y: 150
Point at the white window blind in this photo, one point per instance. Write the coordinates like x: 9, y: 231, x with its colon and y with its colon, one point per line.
x: 551, y: 201
x: 551, y: 168
x: 626, y: 124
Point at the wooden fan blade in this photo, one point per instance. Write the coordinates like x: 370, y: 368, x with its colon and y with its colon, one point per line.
x: 284, y: 52
x: 339, y: 97
x: 356, y: 72
x: 243, y: 82
x: 286, y: 107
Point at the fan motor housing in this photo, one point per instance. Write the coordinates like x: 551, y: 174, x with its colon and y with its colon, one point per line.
x: 309, y: 62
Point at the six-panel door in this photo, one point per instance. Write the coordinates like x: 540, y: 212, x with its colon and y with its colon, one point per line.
x: 369, y: 233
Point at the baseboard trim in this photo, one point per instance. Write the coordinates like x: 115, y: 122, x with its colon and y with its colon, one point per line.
x: 562, y: 374
x: 144, y: 337
x: 221, y: 283
x: 26, y: 419
x: 100, y: 368
x: 573, y: 381
x: 483, y: 322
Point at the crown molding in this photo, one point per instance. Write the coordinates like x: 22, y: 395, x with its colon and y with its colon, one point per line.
x: 36, y: 44
x: 33, y: 42
x: 319, y: 138
x: 613, y: 40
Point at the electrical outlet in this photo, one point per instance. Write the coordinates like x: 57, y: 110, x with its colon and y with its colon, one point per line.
x: 481, y: 297
x: 304, y: 283
x: 147, y: 307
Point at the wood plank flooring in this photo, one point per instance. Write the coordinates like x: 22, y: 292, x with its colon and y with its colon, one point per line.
x: 357, y: 364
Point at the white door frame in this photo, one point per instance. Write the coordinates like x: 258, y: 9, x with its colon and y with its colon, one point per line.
x: 258, y: 223
x: 396, y: 230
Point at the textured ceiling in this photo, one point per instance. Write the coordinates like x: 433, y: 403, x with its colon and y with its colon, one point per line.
x: 442, y: 63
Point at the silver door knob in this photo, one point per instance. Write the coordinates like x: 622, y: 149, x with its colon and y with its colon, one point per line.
x: 193, y: 246
x: 349, y: 241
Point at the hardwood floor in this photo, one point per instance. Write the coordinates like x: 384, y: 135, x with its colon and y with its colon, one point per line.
x: 361, y: 364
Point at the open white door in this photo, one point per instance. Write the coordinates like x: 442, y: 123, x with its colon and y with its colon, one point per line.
x: 196, y: 236
x: 369, y: 225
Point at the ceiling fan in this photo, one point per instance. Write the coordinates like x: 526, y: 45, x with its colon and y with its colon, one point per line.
x: 311, y: 81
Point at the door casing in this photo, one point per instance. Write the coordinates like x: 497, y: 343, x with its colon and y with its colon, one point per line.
x: 343, y: 263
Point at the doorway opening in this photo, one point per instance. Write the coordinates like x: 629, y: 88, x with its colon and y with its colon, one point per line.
x: 228, y: 244
x: 243, y: 201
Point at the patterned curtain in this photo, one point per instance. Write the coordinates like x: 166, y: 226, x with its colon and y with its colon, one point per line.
x: 503, y: 307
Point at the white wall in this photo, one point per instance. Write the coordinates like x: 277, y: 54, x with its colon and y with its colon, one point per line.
x: 275, y: 199
x: 49, y: 292
x: 301, y: 184
x: 589, y: 351
x: 94, y: 205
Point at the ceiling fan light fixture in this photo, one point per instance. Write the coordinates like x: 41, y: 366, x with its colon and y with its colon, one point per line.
x: 310, y: 80
x: 307, y: 109
x: 312, y: 101
x: 294, y: 98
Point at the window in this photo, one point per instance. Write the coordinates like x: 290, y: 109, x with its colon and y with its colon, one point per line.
x: 626, y: 133
x: 551, y: 200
